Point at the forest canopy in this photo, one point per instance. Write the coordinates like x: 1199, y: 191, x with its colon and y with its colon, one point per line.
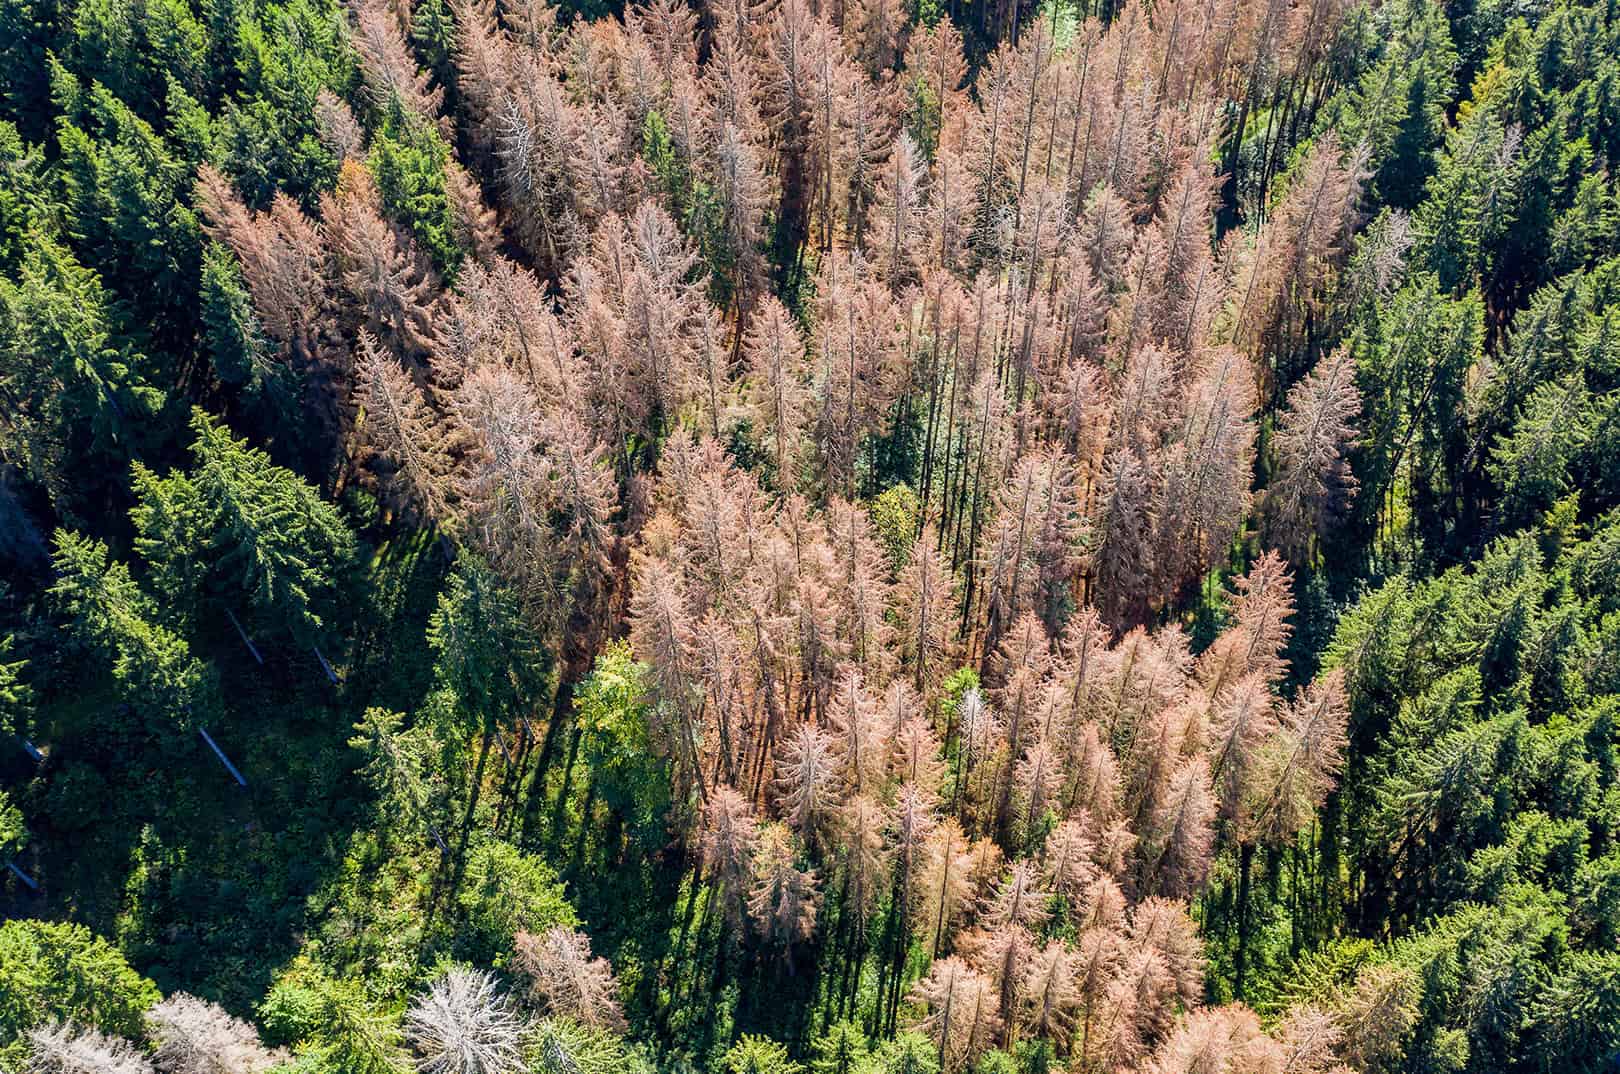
x: 809, y: 536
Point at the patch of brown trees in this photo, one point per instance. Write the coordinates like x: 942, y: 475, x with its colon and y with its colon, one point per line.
x: 1019, y: 276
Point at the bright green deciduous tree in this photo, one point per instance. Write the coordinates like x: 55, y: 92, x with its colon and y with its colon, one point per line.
x: 610, y: 710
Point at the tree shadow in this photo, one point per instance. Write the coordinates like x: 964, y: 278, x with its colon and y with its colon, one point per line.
x: 148, y: 840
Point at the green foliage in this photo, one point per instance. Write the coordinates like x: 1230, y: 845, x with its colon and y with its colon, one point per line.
x: 24, y: 197
x: 1532, y: 464
x: 58, y: 971
x: 905, y: 1053
x: 191, y: 128
x: 134, y: 48
x: 694, y: 205
x: 487, y: 656
x: 1480, y: 819
x: 231, y: 329
x: 408, y: 157
x: 284, y: 54
x: 82, y: 396
x: 758, y: 1055
x: 395, y: 768
x: 997, y: 1061
x: 922, y: 112
x: 840, y: 1050
x: 336, y: 1027
x: 24, y: 82
x: 1397, y: 106
x: 122, y: 189
x: 1577, y: 1018
x: 1521, y: 149
x: 1468, y: 432
x: 1472, y: 851
x: 1467, y: 210
x: 611, y: 712
x: 433, y: 31
x: 16, y: 695
x: 13, y: 832
x: 1552, y: 404
x: 235, y: 343
x: 1413, y: 355
x: 956, y: 684
x: 1480, y: 967
x: 895, y: 520
x: 237, y: 525
x: 108, y: 614
x: 506, y: 891
x: 563, y: 1046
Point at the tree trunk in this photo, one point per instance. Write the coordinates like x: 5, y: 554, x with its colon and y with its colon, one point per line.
x: 472, y: 807
x: 1240, y: 960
